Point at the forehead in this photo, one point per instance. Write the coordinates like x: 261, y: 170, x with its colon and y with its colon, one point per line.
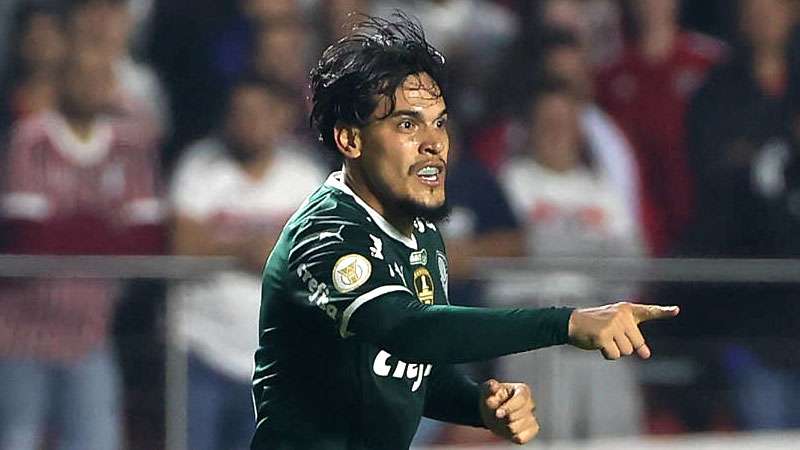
x: 418, y: 92
x: 248, y: 91
x: 552, y: 101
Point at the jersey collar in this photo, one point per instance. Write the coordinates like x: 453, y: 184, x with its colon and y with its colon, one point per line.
x: 336, y: 181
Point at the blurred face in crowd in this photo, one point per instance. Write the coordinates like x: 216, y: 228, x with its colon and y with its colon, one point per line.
x: 267, y: 10
x: 402, y: 157
x: 255, y: 119
x: 767, y: 23
x: 337, y: 12
x: 87, y: 83
x: 281, y: 52
x: 103, y: 23
x: 651, y: 13
x: 569, y: 63
x: 555, y: 131
x: 41, y: 45
x: 566, y: 14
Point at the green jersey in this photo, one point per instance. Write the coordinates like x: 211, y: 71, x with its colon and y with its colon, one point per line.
x: 329, y: 376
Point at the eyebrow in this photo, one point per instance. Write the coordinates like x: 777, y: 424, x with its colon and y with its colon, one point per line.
x: 415, y: 114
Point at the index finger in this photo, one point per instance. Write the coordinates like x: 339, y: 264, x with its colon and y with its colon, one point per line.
x: 642, y: 313
x: 518, y: 400
x: 494, y: 394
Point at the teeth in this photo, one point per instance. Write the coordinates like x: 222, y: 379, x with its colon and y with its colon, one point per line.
x: 428, y: 171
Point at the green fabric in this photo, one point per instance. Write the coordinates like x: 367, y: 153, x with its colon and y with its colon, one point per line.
x: 355, y: 332
x: 452, y: 397
x: 414, y: 331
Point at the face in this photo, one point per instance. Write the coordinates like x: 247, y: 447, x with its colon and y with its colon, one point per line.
x: 103, y: 24
x: 651, y: 12
x: 281, y: 53
x: 403, y: 156
x: 88, y: 82
x: 267, y: 10
x: 569, y: 63
x: 555, y: 132
x: 766, y: 23
x: 563, y: 13
x: 246, y: 130
x: 338, y: 14
x: 42, y: 44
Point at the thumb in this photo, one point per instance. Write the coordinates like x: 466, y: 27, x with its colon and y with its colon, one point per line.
x: 491, y: 386
x: 643, y: 313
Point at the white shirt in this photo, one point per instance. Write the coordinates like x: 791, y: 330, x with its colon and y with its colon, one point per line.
x: 218, y: 317
x: 574, y: 213
x: 613, y: 153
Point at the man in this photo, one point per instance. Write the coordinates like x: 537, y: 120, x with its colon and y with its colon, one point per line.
x: 356, y: 333
x: 231, y: 194
x: 78, y: 182
x: 647, y: 90
x: 568, y: 206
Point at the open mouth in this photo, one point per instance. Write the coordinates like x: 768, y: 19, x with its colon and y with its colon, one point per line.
x: 431, y: 175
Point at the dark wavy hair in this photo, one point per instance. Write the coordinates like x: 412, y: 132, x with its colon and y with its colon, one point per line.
x: 369, y: 63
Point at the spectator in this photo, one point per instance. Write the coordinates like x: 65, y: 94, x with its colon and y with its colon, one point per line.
x: 335, y: 16
x: 232, y: 194
x: 596, y: 23
x: 232, y: 51
x: 281, y: 52
x: 742, y: 153
x: 762, y: 357
x: 737, y: 110
x: 647, y: 90
x: 568, y: 208
x: 563, y: 57
x: 37, y: 47
x: 77, y: 182
x: 108, y: 24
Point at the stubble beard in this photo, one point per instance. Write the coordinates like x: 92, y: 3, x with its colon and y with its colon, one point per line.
x: 433, y: 214
x: 409, y: 207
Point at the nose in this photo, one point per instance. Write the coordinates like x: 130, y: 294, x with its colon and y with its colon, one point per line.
x: 434, y: 145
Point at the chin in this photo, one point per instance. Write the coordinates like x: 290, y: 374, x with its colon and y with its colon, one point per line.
x: 432, y: 212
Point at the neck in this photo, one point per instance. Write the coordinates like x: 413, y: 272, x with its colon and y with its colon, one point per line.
x: 770, y: 69
x: 258, y: 165
x: 357, y: 182
x: 657, y: 42
x: 769, y: 54
x: 80, y: 124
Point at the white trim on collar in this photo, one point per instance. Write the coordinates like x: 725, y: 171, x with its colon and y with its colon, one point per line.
x: 83, y: 152
x: 336, y: 180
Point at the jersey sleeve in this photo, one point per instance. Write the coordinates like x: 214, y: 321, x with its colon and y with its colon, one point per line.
x: 336, y: 266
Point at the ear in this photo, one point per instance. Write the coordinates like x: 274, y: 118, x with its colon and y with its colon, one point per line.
x: 348, y: 140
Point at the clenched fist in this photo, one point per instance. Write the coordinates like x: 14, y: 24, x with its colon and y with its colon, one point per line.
x: 507, y: 410
x: 614, y: 329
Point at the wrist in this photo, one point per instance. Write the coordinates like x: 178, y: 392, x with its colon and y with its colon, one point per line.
x: 571, y: 325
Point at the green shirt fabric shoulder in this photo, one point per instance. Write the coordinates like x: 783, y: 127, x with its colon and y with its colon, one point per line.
x: 334, y: 256
x: 356, y: 327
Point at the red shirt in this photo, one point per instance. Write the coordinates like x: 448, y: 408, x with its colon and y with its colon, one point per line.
x: 649, y: 100
x: 62, y: 195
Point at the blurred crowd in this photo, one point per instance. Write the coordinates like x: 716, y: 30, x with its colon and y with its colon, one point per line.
x: 594, y: 128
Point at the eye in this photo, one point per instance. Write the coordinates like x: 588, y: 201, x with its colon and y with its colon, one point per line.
x: 405, y: 125
x: 441, y: 123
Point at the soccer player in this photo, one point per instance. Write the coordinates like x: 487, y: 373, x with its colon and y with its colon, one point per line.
x: 357, y: 336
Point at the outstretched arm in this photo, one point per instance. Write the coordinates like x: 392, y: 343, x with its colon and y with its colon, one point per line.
x: 444, y: 334
x: 452, y: 334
